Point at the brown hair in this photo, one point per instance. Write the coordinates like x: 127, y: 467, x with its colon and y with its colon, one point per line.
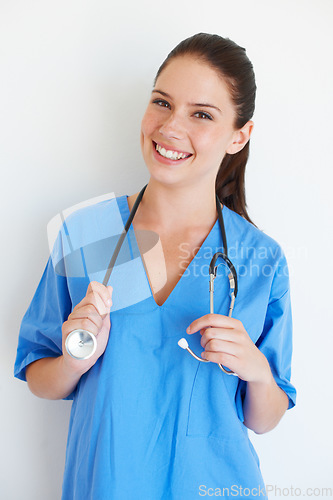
x: 231, y: 62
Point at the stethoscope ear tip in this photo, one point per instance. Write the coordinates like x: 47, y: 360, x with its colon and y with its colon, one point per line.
x: 183, y: 343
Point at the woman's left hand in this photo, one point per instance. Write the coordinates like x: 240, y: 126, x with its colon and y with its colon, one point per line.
x: 226, y: 341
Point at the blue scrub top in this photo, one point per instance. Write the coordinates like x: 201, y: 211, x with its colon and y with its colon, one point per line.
x: 148, y: 420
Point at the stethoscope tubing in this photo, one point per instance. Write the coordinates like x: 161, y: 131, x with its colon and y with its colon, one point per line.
x: 82, y: 344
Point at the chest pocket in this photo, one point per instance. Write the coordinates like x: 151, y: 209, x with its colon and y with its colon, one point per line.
x: 212, y: 409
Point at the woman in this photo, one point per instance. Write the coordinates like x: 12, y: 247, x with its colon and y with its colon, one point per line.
x: 148, y: 420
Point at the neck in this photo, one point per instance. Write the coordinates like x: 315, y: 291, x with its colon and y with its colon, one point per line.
x: 175, y: 208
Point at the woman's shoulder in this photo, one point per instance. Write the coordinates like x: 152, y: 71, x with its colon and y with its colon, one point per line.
x: 251, y: 236
x: 95, y: 210
x: 89, y: 221
x: 258, y: 252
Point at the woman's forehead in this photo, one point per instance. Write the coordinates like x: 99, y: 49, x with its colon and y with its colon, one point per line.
x: 193, y: 78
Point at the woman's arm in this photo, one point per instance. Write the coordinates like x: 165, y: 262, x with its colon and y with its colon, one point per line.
x: 265, y: 404
x: 56, y: 378
x: 50, y: 378
x: 226, y: 341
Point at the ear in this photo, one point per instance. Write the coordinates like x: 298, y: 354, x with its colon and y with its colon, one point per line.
x: 240, y: 138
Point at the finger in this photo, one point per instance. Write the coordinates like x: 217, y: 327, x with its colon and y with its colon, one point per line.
x: 223, y: 347
x: 102, y: 295
x: 226, y: 334
x: 80, y: 324
x: 88, y: 311
x: 227, y: 360
x: 214, y: 320
x: 104, y: 292
x: 95, y: 298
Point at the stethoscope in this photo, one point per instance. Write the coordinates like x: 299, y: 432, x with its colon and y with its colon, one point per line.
x: 81, y: 344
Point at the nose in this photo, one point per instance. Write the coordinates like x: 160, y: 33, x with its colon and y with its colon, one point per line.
x: 172, y: 128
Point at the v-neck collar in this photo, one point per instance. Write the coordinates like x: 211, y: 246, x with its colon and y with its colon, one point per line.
x: 125, y: 212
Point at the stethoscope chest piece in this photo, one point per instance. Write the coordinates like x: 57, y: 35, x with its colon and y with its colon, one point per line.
x: 81, y: 344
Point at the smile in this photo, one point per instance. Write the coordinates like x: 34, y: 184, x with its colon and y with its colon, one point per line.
x: 170, y: 154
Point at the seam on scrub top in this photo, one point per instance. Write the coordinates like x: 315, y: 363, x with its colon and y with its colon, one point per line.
x: 276, y: 300
x: 191, y: 395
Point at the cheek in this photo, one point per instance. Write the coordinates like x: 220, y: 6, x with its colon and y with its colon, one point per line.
x: 144, y: 130
x: 208, y: 143
x: 220, y: 141
x: 148, y: 124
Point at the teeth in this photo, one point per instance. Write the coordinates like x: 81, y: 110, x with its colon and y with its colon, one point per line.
x: 172, y: 155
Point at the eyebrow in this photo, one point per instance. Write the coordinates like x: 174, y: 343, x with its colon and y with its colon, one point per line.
x: 200, y: 104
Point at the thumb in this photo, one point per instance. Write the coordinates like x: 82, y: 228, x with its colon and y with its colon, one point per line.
x: 110, y: 290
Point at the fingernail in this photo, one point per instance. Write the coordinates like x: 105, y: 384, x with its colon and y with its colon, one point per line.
x: 188, y: 329
x: 203, y: 355
x: 109, y: 302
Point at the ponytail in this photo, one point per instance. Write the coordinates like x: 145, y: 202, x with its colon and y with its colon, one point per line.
x: 230, y: 182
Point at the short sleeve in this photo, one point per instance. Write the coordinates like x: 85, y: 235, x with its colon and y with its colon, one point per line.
x: 275, y: 341
x: 41, y: 328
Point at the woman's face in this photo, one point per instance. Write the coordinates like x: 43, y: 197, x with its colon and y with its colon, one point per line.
x: 189, y: 123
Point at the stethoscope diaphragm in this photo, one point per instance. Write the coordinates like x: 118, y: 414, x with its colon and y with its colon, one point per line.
x: 81, y: 344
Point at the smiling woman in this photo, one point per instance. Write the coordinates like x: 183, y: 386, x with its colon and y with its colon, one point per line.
x: 180, y: 128
x: 149, y: 421
x: 231, y: 64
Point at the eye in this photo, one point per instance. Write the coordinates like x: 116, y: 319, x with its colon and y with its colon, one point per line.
x: 162, y: 103
x: 203, y: 116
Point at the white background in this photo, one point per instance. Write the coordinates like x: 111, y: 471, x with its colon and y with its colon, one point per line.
x: 75, y: 77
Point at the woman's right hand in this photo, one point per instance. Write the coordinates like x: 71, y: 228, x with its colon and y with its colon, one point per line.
x: 91, y: 314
